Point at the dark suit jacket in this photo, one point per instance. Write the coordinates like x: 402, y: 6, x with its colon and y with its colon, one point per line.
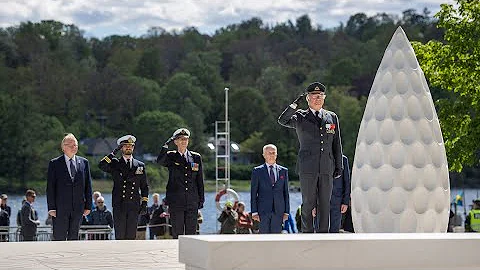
x: 128, y: 183
x: 63, y: 194
x: 28, y: 219
x: 320, y: 143
x: 185, y: 189
x: 341, y: 186
x: 266, y: 198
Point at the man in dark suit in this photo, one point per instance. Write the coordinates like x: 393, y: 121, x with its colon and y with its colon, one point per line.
x: 340, y: 197
x: 185, y: 192
x: 319, y: 157
x: 269, y: 192
x: 28, y: 218
x: 69, y: 190
x: 130, y: 188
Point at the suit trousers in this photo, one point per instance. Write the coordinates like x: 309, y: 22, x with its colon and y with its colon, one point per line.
x: 125, y: 218
x: 335, y: 213
x: 184, y: 222
x: 316, y: 192
x: 66, y: 226
x: 271, y: 223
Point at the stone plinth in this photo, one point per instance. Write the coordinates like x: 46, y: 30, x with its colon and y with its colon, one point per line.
x: 331, y: 251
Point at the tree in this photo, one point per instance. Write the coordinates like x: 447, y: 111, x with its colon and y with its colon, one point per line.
x: 153, y: 128
x: 453, y: 66
x: 248, y: 112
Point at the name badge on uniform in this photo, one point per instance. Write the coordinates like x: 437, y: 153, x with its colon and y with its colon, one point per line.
x: 330, y: 128
x: 139, y: 170
x: 195, y: 166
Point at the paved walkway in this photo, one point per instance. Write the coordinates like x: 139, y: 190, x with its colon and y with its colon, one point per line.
x: 153, y: 254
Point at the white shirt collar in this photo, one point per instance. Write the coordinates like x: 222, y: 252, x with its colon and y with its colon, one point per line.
x: 274, y: 165
x: 67, y: 159
x: 313, y: 111
x: 125, y: 159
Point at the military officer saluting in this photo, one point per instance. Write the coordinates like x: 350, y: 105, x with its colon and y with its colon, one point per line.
x: 130, y: 186
x: 185, y: 194
x: 319, y: 157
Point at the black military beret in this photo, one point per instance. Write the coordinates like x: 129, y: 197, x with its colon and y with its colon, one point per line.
x: 315, y: 87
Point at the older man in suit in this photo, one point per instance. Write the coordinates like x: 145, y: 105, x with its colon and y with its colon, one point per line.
x: 69, y: 190
x: 269, y: 192
x: 320, y: 155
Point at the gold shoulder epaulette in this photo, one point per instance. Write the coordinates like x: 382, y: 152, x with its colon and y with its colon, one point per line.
x: 195, y: 153
x: 107, y: 159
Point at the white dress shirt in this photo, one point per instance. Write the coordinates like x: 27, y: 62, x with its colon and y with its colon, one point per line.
x: 67, y: 160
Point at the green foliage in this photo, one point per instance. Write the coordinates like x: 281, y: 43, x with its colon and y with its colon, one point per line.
x: 53, y: 79
x: 153, y: 128
x: 453, y: 66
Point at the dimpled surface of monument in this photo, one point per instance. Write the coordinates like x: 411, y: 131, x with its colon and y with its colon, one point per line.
x: 400, y: 179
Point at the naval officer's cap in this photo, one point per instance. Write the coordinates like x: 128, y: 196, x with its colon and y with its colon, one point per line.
x: 127, y: 139
x: 181, y: 132
x: 315, y: 88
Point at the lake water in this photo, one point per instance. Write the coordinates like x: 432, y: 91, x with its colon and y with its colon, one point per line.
x: 209, y: 211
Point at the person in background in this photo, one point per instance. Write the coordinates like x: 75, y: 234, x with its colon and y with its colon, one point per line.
x: 255, y: 224
x: 87, y: 219
x: 472, y: 222
x: 19, y: 214
x: 228, y: 219
x: 340, y: 197
x: 4, y: 205
x: 160, y: 222
x: 199, y: 220
x: 4, y: 222
x: 298, y: 218
x: 142, y: 224
x: 245, y: 224
x: 289, y: 225
x: 29, y: 218
x: 101, y: 216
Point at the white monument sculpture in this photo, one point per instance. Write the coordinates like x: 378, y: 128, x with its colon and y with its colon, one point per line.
x: 400, y: 177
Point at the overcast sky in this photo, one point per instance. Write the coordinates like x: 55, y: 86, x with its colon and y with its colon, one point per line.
x: 135, y: 17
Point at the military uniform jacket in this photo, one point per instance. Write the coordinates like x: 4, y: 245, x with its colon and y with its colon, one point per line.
x: 185, y: 189
x: 128, y: 182
x: 320, y: 142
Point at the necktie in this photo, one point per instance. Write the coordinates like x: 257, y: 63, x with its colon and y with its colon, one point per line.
x: 128, y: 163
x: 272, y: 175
x: 72, y: 169
x: 317, y: 116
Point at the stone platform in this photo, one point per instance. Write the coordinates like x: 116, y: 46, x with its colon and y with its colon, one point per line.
x: 91, y: 255
x: 331, y: 251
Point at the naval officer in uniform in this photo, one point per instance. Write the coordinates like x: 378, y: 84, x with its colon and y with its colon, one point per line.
x: 130, y: 187
x: 320, y: 154
x: 185, y: 194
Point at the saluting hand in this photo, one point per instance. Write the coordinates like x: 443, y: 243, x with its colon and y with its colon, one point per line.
x: 114, y: 152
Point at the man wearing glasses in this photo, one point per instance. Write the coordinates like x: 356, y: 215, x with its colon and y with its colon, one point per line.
x: 320, y: 155
x: 69, y: 190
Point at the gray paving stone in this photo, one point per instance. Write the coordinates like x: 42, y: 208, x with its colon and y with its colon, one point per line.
x: 155, y: 254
